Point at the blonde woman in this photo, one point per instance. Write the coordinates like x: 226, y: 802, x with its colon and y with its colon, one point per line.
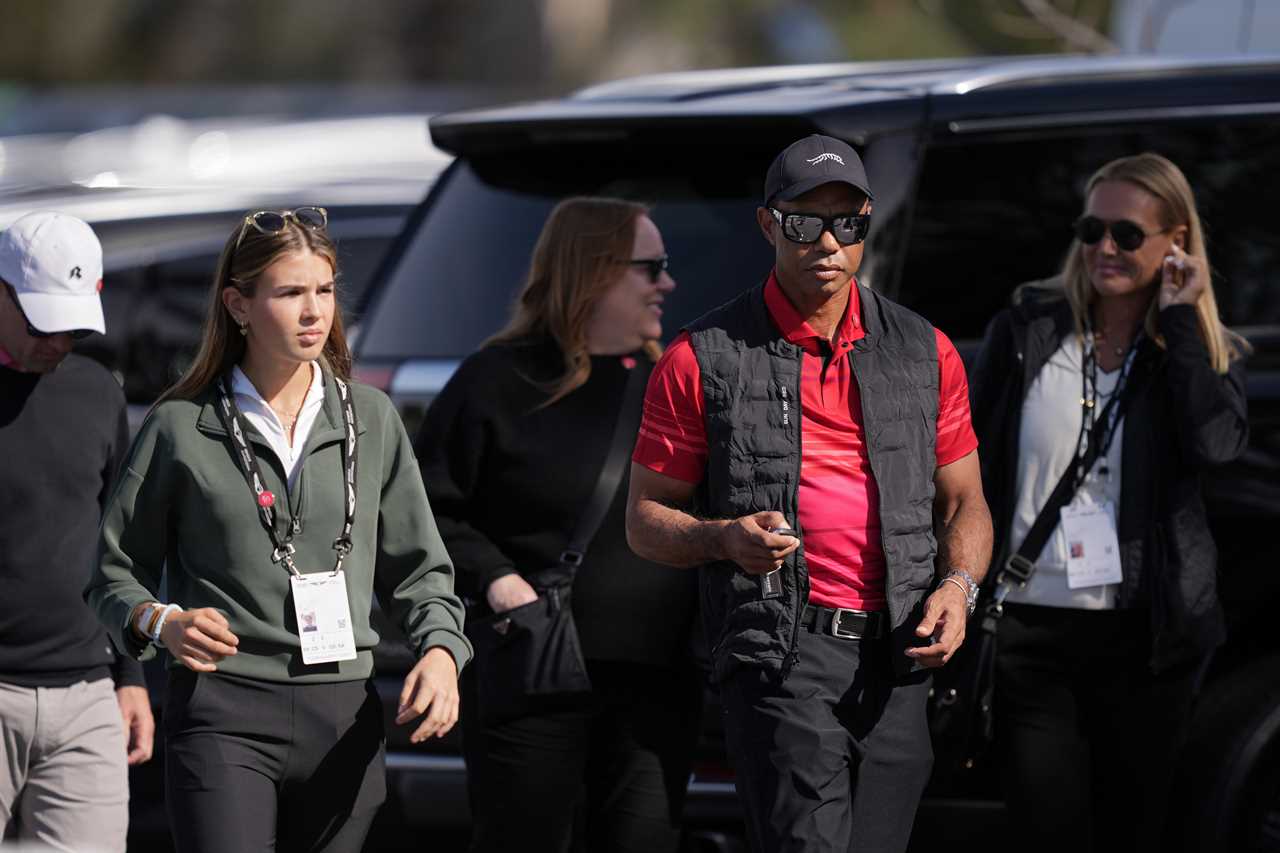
x: 1099, y: 656
x: 276, y: 495
x: 511, y: 451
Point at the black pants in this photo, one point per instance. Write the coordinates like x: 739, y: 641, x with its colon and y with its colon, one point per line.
x: 1088, y: 736
x: 835, y: 758
x: 610, y: 775
x: 254, y: 765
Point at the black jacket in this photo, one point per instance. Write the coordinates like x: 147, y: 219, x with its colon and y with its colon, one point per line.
x: 1182, y: 417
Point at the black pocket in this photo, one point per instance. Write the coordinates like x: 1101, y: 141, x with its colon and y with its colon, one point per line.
x: 529, y: 659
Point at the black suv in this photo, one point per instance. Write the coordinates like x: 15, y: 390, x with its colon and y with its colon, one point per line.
x: 978, y: 168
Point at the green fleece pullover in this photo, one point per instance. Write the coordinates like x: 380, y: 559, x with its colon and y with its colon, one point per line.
x: 182, y: 505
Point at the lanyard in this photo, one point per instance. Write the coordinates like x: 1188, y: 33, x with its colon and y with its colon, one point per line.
x: 1111, y: 413
x: 283, y: 551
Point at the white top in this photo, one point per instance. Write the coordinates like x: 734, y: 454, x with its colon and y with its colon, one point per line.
x: 264, y: 419
x: 1047, y: 443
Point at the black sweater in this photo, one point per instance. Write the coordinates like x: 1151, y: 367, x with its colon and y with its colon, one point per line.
x: 507, y: 482
x: 62, y: 437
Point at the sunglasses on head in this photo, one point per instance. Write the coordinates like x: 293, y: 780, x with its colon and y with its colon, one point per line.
x: 655, y: 267
x: 76, y: 334
x: 275, y: 221
x: 848, y: 228
x: 1127, y: 235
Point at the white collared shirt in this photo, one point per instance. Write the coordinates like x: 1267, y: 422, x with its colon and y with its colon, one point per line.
x: 264, y: 419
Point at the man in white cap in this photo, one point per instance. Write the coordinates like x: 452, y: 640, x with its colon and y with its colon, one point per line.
x: 73, y: 714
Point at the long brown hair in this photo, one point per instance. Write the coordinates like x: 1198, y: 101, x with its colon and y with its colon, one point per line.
x: 582, y: 251
x: 247, y: 254
x: 1164, y: 180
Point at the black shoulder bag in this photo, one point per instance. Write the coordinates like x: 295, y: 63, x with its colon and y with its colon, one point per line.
x: 961, y: 712
x: 529, y: 660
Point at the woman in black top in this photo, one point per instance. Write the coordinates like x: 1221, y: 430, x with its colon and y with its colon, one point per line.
x: 510, y: 453
x: 1098, y: 659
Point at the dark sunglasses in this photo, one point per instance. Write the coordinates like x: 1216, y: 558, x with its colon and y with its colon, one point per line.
x: 76, y: 334
x: 654, y: 266
x: 848, y: 229
x: 275, y: 221
x: 1127, y: 235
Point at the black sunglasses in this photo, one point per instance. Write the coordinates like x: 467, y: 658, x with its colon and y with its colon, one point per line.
x: 654, y: 266
x: 76, y: 334
x: 275, y: 221
x: 1128, y: 236
x: 848, y: 228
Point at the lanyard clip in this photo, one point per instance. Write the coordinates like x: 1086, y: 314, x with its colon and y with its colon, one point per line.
x: 343, y: 546
x: 284, y: 554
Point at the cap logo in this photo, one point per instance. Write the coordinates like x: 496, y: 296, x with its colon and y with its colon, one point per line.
x: 75, y: 272
x: 824, y: 157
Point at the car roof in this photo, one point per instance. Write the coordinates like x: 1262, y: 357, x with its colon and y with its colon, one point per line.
x: 823, y: 96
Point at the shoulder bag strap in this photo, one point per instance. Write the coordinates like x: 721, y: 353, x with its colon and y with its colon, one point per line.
x: 1021, y: 565
x: 624, y: 439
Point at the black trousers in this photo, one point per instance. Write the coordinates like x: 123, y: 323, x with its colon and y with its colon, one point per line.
x: 608, y: 776
x: 836, y: 757
x: 1088, y: 736
x: 254, y: 765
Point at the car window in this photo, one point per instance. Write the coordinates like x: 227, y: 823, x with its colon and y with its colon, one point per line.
x: 454, y: 283
x: 993, y: 213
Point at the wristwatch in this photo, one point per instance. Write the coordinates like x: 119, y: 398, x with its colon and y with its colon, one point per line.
x: 964, y: 580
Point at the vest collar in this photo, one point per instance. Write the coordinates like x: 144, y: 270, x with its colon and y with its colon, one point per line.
x: 796, y: 329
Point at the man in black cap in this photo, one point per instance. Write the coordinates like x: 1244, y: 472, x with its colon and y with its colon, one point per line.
x: 808, y: 446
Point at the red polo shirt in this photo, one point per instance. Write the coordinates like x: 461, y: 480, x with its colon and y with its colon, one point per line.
x: 839, y: 502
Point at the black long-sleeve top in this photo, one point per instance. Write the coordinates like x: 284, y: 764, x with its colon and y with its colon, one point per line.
x: 63, y: 435
x: 507, y: 481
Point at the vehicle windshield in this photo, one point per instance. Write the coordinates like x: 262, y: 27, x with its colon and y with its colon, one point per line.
x: 455, y: 281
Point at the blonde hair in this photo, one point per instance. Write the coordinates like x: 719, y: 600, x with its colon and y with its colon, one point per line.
x: 1165, y: 181
x: 247, y: 254
x: 582, y: 251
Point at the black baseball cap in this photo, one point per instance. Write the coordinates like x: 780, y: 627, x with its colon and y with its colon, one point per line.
x: 812, y: 162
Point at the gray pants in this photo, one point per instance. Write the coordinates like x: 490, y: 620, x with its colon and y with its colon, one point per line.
x: 64, y: 778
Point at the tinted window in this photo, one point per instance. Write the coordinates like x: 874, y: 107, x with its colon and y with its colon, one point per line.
x: 456, y: 280
x: 992, y: 213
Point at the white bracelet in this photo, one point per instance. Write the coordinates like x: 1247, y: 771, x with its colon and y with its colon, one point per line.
x: 164, y: 614
x: 958, y: 583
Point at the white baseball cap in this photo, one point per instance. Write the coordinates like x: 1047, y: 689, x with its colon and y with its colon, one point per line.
x: 54, y: 264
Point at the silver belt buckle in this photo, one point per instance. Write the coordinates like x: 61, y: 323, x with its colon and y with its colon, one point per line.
x: 837, y: 618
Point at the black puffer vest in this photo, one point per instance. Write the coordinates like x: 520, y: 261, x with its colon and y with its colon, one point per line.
x: 751, y: 384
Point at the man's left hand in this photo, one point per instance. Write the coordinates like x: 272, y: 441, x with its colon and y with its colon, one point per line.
x: 430, y: 688
x: 139, y: 725
x: 945, y: 614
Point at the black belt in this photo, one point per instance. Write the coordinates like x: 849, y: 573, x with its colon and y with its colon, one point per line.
x: 846, y: 624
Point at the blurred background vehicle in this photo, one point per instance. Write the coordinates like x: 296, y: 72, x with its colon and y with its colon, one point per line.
x: 978, y: 168
x: 164, y: 194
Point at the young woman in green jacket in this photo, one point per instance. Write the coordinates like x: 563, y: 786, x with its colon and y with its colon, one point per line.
x: 276, y: 496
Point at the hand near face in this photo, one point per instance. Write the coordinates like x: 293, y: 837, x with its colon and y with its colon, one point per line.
x: 1183, y: 278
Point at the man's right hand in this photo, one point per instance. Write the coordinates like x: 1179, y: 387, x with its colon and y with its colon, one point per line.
x: 509, y: 592
x: 199, y: 638
x: 748, y: 542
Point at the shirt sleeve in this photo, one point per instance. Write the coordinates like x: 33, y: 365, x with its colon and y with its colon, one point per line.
x: 451, y: 447
x: 956, y: 438
x: 673, y: 432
